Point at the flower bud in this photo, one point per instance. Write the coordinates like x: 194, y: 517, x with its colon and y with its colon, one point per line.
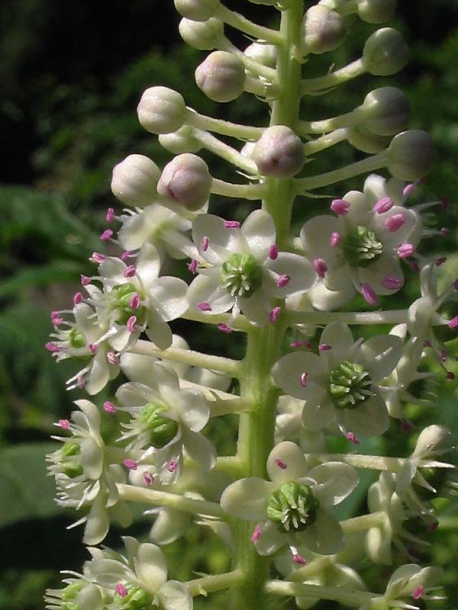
x: 263, y: 53
x: 134, y: 180
x: 161, y: 110
x: 279, y: 152
x: 197, y: 10
x: 434, y: 441
x: 181, y: 141
x: 376, y: 11
x: 204, y: 36
x: 221, y: 76
x: 366, y: 141
x: 410, y: 155
x: 385, y: 52
x: 322, y: 30
x: 186, y: 181
x: 386, y: 111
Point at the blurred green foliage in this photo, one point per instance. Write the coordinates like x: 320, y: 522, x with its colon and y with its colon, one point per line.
x: 72, y: 74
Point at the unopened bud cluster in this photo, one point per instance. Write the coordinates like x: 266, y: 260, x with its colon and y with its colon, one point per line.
x: 329, y: 359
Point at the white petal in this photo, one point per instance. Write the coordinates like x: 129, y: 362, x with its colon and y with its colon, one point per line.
x: 259, y: 232
x: 175, y: 596
x: 256, y: 308
x: 221, y: 240
x: 316, y: 238
x: 159, y: 333
x: 207, y: 289
x: 286, y: 462
x: 150, y: 566
x: 193, y: 409
x: 325, y: 536
x: 375, y: 274
x: 98, y: 522
x: 200, y: 450
x: 148, y: 266
x: 298, y: 268
x: 247, y: 498
x: 368, y: 419
x: 379, y: 355
x: 339, y: 336
x: 288, y: 370
x: 328, y: 300
x: 318, y: 415
x: 335, y: 481
x: 270, y: 539
x: 169, y: 297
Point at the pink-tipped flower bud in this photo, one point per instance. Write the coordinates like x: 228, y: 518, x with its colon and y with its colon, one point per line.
x: 410, y: 155
x: 279, y: 152
x: 134, y: 180
x: 366, y: 141
x: 385, y: 52
x: 197, y: 10
x: 386, y: 111
x: 221, y: 76
x: 204, y: 36
x: 263, y: 53
x: 376, y: 11
x: 181, y: 141
x: 161, y: 110
x: 322, y: 30
x: 186, y: 181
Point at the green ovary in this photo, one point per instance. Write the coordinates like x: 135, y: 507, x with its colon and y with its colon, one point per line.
x: 349, y: 385
x: 136, y: 599
x: 361, y: 247
x: 241, y: 275
x: 293, y: 507
x: 121, y: 297
x: 161, y: 429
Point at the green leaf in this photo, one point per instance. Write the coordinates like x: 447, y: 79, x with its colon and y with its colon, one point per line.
x: 25, y: 489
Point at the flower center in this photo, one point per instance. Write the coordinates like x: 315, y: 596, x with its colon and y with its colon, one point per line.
x: 121, y: 301
x: 349, y: 385
x: 361, y: 247
x: 135, y: 598
x: 76, y: 339
x: 241, y: 275
x: 293, y: 507
x: 161, y: 429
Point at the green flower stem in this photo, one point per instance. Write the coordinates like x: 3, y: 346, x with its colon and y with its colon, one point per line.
x: 393, y: 316
x: 221, y: 403
x: 223, y: 150
x: 256, y: 428
x: 349, y: 171
x: 131, y: 493
x: 216, y: 582
x: 343, y: 75
x: 225, y: 128
x: 315, y: 567
x: 326, y: 141
x: 193, y: 358
x: 337, y: 594
x: 231, y: 465
x: 238, y: 191
x: 379, y: 462
x: 238, y: 323
x: 245, y: 25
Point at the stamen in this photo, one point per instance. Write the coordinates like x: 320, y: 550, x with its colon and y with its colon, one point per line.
x: 283, y: 280
x: 324, y: 347
x: 77, y: 298
x: 297, y: 344
x: 173, y: 465
x: 340, y: 207
x: 109, y: 407
x: 225, y: 328
x: 112, y: 358
x: 98, y: 258
x: 320, y: 266
x: 204, y: 306
x: 148, y: 478
x: 352, y: 438
x: 409, y: 189
x: 274, y: 314
x: 110, y: 215
x: 383, y: 205
x: 130, y: 464
x: 129, y: 271
x: 121, y: 590
x: 64, y: 424
x: 418, y: 592
x: 405, y: 250
x: 106, y: 235
x: 453, y: 323
x: 335, y: 238
x: 392, y: 282
x: 134, y: 302
x: 131, y: 322
x: 369, y: 295
x: 281, y: 464
x: 440, y: 261
x: 395, y: 222
x: 204, y: 243
x: 52, y: 347
x: 85, y: 280
x: 232, y: 224
x: 192, y: 267
x: 303, y: 379
x: 273, y: 252
x: 256, y: 534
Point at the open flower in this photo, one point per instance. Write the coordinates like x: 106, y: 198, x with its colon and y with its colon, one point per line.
x: 240, y: 268
x: 138, y: 579
x: 341, y: 386
x: 134, y: 299
x: 165, y: 420
x: 84, y: 477
x: 293, y: 508
x: 358, y: 250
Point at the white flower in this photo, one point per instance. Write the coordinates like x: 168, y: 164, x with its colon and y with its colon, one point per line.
x: 165, y: 420
x: 134, y: 299
x: 84, y: 477
x: 137, y: 579
x: 293, y: 507
x: 85, y: 339
x: 157, y: 225
x: 358, y: 250
x: 240, y: 268
x: 341, y: 386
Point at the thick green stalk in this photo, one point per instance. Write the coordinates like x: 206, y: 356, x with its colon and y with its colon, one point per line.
x: 256, y: 429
